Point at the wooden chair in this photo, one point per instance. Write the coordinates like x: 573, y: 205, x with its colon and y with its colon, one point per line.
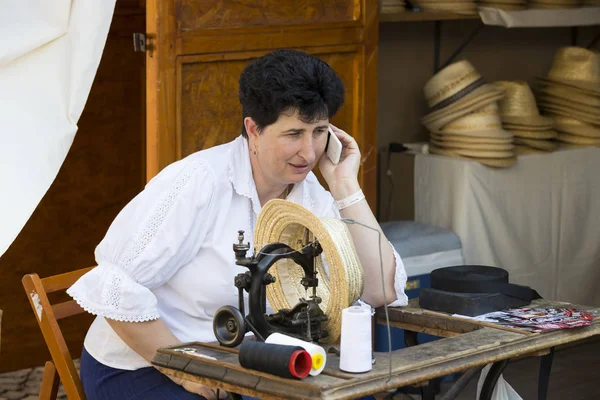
x: 61, y: 367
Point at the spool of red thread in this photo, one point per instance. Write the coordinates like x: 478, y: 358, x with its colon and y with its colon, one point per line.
x: 276, y: 359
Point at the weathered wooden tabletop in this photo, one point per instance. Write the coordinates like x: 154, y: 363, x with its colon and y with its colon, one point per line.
x: 466, y: 348
x: 417, y: 319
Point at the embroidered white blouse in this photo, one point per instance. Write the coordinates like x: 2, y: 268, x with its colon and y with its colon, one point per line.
x: 168, y: 254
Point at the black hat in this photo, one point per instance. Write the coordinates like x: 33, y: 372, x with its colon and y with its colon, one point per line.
x: 473, y: 290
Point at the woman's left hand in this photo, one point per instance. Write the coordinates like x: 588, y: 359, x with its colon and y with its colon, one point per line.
x: 345, y: 173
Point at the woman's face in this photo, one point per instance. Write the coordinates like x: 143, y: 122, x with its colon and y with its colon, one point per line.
x: 289, y: 149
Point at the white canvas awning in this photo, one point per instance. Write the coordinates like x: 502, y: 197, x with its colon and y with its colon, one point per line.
x: 49, y: 55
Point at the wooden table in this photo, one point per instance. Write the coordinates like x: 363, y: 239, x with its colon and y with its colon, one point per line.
x: 414, y: 319
x: 468, y: 345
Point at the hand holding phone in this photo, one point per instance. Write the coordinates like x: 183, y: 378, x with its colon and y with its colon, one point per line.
x: 333, y: 148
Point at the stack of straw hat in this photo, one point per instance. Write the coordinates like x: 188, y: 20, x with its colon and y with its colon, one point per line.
x: 463, y: 118
x: 570, y: 93
x: 553, y: 4
x: 506, y: 5
x: 393, y: 6
x: 532, y: 132
x: 467, y: 7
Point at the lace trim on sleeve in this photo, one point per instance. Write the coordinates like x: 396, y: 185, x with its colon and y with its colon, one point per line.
x: 151, y: 228
x: 109, y: 292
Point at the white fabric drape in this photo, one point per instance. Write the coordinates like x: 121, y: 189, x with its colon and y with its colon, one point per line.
x: 539, y: 220
x: 49, y: 55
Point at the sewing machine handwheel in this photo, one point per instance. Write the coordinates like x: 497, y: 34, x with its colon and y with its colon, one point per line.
x: 229, y: 326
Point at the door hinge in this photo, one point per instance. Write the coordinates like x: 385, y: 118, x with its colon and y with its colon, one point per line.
x: 142, y: 43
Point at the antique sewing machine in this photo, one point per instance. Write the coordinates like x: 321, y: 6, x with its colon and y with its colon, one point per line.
x: 303, y: 321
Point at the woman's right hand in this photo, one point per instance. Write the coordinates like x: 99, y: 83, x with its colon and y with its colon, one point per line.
x: 205, y: 391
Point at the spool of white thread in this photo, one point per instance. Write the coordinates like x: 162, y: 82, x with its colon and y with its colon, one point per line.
x: 356, y: 351
x: 319, y: 357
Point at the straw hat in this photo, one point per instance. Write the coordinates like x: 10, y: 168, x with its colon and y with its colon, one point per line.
x: 451, y: 84
x: 565, y: 137
x: 470, y: 139
x: 286, y: 222
x: 518, y: 106
x: 590, y: 109
x: 484, y: 122
x: 524, y: 150
x: 490, y: 162
x: 436, y: 122
x: 576, y: 67
x: 455, y: 91
x: 527, y: 134
x: 562, y: 111
x: 449, y: 144
x: 571, y: 146
x: 553, y: 91
x: 540, y: 144
x: 576, y: 127
x: 514, y: 127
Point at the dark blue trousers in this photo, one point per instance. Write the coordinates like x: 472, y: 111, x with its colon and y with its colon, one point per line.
x: 105, y: 383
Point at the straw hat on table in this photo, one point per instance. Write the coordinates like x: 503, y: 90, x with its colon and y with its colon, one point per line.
x: 581, y: 140
x: 576, y: 67
x: 576, y: 127
x: 522, y: 150
x: 518, y: 106
x: 452, y: 144
x: 561, y: 111
x: 481, y: 123
x: 470, y: 139
x: 476, y: 136
x: 568, y: 104
x: 490, y: 159
x: 570, y: 146
x: 287, y: 222
x: 455, y: 91
x: 539, y: 144
x: 533, y: 134
x: 551, y: 91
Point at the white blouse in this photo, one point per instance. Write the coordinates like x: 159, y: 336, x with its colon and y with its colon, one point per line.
x: 168, y: 254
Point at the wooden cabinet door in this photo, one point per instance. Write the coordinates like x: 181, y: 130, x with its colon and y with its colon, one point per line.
x: 198, y: 48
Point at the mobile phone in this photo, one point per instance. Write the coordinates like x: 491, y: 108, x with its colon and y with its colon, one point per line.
x: 333, y: 147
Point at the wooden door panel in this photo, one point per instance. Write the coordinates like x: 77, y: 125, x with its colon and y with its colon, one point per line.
x: 196, y: 15
x: 208, y: 110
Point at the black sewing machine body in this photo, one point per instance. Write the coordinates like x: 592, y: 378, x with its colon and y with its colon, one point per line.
x: 303, y: 321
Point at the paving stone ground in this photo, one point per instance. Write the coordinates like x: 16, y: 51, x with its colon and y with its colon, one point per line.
x: 25, y: 384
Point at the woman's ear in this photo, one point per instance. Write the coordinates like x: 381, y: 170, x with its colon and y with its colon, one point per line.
x: 251, y: 128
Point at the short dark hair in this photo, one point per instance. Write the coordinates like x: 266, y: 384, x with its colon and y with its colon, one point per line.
x: 289, y: 80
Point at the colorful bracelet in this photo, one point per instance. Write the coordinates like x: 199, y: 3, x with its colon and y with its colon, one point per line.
x: 348, y: 201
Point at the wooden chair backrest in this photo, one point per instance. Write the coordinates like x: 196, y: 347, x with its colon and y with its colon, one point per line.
x: 47, y: 316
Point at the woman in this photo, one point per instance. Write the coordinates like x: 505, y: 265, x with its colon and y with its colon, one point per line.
x: 166, y: 264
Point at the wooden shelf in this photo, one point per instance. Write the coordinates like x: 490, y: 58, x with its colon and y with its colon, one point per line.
x: 409, y: 15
